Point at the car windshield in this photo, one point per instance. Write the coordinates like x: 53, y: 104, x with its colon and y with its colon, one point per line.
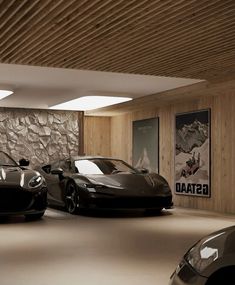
x: 102, y: 166
x: 5, y: 160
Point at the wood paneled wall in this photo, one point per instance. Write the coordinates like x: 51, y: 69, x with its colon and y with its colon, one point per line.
x: 119, y: 130
x: 97, y: 136
x: 222, y: 147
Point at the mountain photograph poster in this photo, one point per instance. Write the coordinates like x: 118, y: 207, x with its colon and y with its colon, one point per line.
x: 192, y: 153
x: 145, y: 144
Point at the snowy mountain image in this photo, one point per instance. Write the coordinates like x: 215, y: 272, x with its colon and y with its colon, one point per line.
x: 191, y: 136
x: 192, y: 154
x: 144, y: 161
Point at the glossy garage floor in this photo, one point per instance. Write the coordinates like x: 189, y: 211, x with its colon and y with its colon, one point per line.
x: 104, y: 249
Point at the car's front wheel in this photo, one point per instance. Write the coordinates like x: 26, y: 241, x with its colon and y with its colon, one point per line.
x: 71, y: 198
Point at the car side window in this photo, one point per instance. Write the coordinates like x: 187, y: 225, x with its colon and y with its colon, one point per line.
x: 74, y: 168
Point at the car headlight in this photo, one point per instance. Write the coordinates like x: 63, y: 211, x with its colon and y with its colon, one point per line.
x: 90, y: 187
x: 159, y: 182
x: 36, y: 181
x: 204, y: 253
x: 93, y: 187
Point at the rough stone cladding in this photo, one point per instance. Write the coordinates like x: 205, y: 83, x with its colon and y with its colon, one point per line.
x: 39, y: 135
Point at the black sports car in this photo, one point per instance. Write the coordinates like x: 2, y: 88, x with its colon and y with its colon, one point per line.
x: 211, y: 261
x: 22, y: 191
x: 96, y: 182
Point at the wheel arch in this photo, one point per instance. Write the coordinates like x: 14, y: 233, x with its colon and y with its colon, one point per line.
x: 69, y: 180
x: 64, y: 185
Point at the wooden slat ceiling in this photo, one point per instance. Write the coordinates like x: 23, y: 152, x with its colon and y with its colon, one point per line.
x: 179, y: 38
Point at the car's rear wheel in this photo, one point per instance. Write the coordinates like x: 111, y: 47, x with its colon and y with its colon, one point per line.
x: 72, y: 198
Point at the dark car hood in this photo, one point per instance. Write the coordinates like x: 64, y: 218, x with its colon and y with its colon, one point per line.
x: 140, y: 184
x: 223, y: 239
x: 223, y: 242
x: 15, y: 176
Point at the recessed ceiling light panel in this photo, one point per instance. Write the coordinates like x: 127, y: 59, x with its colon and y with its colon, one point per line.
x: 4, y: 93
x: 89, y: 103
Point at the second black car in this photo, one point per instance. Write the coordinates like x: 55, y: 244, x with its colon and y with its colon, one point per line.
x: 97, y: 182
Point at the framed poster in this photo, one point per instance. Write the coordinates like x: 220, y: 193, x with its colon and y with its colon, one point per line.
x: 145, y: 144
x: 192, y: 153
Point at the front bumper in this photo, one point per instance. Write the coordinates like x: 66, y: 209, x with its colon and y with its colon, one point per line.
x: 18, y: 201
x: 185, y: 275
x: 125, y: 202
x: 26, y: 212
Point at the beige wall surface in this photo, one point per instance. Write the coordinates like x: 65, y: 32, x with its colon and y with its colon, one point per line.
x: 119, y: 130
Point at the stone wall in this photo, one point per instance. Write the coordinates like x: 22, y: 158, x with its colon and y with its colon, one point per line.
x: 39, y: 135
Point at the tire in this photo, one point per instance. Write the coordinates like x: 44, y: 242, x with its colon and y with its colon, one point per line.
x: 33, y: 217
x: 71, y: 198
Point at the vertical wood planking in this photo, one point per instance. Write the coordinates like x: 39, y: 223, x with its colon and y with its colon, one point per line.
x: 113, y: 137
x: 222, y: 146
x: 121, y: 133
x: 97, y: 136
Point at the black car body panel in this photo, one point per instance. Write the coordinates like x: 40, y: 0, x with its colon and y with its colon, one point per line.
x: 18, y: 194
x: 124, y: 187
x: 208, y: 261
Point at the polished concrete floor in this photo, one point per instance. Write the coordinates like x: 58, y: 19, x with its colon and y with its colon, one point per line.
x: 103, y: 248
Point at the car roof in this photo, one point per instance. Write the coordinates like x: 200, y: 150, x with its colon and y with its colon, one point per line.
x: 81, y: 157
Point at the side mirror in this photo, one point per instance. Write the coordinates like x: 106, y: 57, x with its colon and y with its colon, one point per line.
x: 47, y: 168
x: 24, y: 162
x: 143, y: 170
x: 57, y: 171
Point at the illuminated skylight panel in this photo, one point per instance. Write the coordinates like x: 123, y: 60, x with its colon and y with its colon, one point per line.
x: 89, y: 103
x: 5, y: 93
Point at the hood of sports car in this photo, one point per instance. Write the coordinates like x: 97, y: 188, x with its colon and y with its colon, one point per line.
x: 16, y: 177
x: 136, y: 184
